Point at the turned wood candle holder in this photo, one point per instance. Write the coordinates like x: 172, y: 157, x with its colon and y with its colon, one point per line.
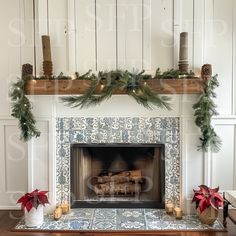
x: 48, y: 68
x: 47, y: 58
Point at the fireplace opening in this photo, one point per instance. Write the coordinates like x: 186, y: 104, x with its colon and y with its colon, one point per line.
x: 117, y: 175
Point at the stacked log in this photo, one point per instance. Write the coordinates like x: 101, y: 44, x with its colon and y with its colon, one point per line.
x: 123, y: 183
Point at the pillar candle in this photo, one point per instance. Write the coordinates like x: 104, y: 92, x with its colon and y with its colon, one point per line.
x: 169, y: 208
x: 65, y: 207
x: 57, y: 213
x: 183, y: 50
x: 178, y: 213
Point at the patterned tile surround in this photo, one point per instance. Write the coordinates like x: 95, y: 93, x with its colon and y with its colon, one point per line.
x: 121, y: 219
x: 118, y: 130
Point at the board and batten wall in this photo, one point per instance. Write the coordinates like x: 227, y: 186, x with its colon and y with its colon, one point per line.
x: 111, y: 34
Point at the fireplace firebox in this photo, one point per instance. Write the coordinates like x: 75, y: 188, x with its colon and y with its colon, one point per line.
x: 117, y: 175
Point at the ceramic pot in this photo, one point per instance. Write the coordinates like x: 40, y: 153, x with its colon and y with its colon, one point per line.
x: 34, y: 218
x: 208, y: 216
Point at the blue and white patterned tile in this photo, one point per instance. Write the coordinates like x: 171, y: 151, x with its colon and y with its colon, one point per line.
x: 130, y: 219
x: 121, y: 219
x: 104, y: 219
x: 118, y: 130
x: 82, y: 213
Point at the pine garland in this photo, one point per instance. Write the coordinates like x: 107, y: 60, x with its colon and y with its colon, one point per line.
x: 22, y: 110
x: 109, y: 82
x: 205, y: 108
x: 112, y: 81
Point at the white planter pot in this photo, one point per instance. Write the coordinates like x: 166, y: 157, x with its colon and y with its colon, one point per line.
x: 34, y: 218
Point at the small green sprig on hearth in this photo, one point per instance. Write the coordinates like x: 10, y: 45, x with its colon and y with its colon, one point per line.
x: 205, y: 109
x: 22, y: 110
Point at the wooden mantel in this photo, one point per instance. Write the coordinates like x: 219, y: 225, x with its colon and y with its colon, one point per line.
x: 73, y: 87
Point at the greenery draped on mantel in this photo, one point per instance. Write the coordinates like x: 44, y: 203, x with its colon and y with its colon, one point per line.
x: 110, y: 81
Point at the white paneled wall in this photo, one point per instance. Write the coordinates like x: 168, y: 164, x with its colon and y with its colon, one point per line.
x: 113, y: 34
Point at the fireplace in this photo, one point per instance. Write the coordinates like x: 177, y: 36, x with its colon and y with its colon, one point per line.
x: 117, y: 175
x: 76, y: 133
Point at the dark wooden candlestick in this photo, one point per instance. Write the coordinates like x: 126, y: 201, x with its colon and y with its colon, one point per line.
x: 47, y: 58
x: 183, y: 52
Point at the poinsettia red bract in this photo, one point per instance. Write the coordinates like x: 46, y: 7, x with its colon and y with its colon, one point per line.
x: 205, y: 197
x: 33, y: 199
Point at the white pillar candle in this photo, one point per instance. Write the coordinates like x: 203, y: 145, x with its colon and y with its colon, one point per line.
x: 178, y: 213
x: 169, y: 208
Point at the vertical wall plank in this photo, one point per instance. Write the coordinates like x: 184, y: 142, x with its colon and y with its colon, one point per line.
x: 162, y: 34
x: 10, y: 48
x: 176, y: 31
x: 85, y: 35
x: 129, y: 16
x: 106, y: 34
x: 27, y: 32
x: 146, y: 31
x: 220, y: 52
x: 198, y: 36
x: 187, y: 12
x: 71, y: 36
x: 57, y: 25
x: 41, y: 28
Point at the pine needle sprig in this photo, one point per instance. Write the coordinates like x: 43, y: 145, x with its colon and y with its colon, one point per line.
x: 22, y: 110
x: 113, y: 81
x: 205, y: 109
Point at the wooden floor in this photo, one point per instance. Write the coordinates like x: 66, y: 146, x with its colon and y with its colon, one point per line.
x: 8, y: 219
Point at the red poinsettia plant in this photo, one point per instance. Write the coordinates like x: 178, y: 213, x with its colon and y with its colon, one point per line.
x: 205, y: 197
x: 33, y: 199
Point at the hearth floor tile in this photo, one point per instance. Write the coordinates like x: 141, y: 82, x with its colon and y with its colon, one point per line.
x: 120, y: 219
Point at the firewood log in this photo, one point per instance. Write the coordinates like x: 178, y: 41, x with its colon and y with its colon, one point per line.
x: 122, y: 177
x: 117, y: 188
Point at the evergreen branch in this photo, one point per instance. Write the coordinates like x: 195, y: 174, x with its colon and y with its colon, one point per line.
x: 22, y: 110
x: 118, y: 80
x: 205, y: 109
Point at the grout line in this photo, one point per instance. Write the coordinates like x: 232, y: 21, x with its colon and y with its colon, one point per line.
x: 116, y: 35
x: 193, y: 39
x: 75, y: 32
x: 142, y: 26
x: 203, y: 33
x: 34, y: 32
x: 234, y: 160
x: 173, y: 34
x: 47, y: 18
x: 233, y: 60
x: 20, y: 28
x: 96, y: 37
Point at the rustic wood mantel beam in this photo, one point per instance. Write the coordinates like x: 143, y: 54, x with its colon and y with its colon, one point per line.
x: 73, y: 87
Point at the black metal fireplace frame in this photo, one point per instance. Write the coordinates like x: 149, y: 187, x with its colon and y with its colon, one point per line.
x: 121, y: 204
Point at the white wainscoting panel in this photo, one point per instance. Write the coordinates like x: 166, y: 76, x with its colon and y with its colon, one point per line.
x: 223, y: 163
x: 13, y: 163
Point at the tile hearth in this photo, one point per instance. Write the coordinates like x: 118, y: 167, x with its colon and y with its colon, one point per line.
x: 120, y: 219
